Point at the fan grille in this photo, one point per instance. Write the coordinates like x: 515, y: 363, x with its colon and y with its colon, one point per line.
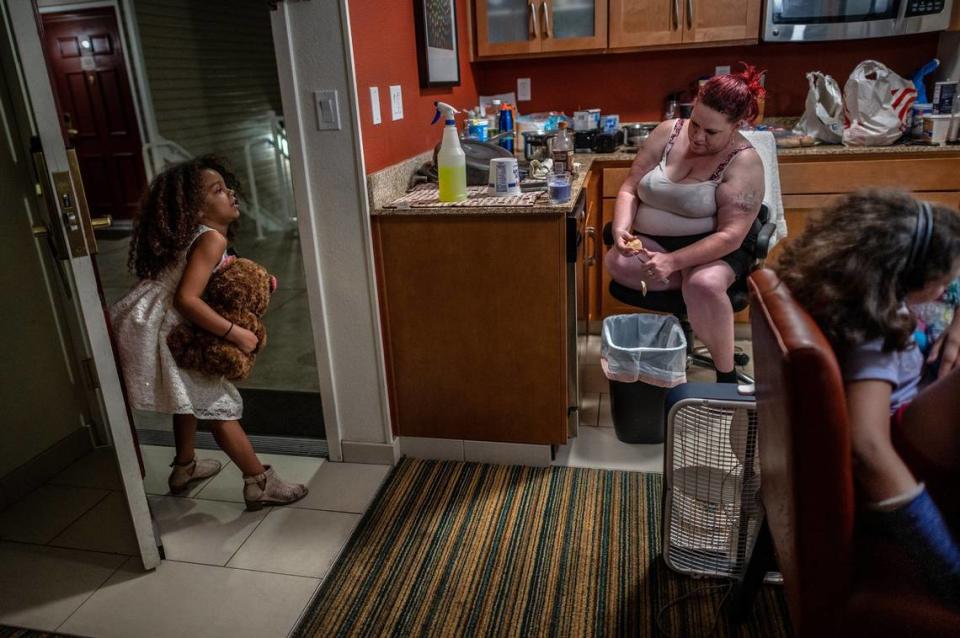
x: 712, y: 512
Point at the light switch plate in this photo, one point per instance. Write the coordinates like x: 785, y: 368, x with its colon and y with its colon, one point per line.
x: 722, y: 70
x: 396, y: 102
x: 523, y: 89
x: 328, y: 110
x: 375, y: 104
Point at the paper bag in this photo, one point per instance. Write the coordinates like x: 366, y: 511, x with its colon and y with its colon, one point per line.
x: 876, y: 105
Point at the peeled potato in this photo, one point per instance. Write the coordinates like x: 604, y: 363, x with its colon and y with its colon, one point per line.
x: 635, y: 244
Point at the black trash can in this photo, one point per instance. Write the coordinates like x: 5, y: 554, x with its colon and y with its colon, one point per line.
x: 643, y: 356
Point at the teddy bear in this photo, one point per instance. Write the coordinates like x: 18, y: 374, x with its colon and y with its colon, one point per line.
x: 239, y: 292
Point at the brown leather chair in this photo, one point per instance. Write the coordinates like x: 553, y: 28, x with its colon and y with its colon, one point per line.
x: 837, y: 583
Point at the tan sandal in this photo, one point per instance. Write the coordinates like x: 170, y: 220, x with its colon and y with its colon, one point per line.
x: 269, y: 489
x: 183, y: 475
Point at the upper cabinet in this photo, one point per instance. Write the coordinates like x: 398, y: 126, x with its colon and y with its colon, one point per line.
x: 517, y: 27
x: 648, y: 23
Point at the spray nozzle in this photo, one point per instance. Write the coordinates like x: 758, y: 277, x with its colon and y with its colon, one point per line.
x: 447, y: 111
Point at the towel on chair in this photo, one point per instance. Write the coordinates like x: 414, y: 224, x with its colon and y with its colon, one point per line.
x: 766, y: 146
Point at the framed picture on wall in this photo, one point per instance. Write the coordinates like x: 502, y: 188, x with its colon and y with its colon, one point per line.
x: 438, y: 50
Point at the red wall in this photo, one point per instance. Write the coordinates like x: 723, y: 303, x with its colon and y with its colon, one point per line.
x: 385, y: 53
x: 635, y: 85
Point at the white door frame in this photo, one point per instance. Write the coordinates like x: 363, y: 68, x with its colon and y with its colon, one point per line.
x: 95, y: 343
x: 314, y: 52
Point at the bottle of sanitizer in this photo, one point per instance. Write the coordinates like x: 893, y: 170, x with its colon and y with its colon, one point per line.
x: 451, y: 161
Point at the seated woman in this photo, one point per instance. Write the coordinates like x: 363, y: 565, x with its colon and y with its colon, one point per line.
x: 691, y: 199
x: 857, y: 270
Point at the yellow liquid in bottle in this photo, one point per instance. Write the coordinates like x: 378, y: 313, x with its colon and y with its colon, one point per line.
x: 453, y: 183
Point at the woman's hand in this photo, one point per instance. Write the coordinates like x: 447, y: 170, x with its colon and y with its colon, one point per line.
x: 243, y: 339
x: 657, y: 266
x: 949, y: 344
x: 623, y: 240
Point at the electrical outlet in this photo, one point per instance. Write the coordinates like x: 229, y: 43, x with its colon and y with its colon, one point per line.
x: 722, y: 70
x: 396, y: 102
x: 523, y: 89
x: 375, y: 104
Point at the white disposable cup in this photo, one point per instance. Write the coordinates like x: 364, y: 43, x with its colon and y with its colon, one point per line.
x: 937, y: 127
x: 504, y: 178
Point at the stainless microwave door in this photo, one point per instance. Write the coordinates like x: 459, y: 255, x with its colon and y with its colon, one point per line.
x: 812, y: 20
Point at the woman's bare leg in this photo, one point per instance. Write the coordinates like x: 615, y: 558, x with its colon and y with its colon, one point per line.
x: 629, y: 272
x: 709, y: 310
x: 184, y: 433
x: 233, y: 440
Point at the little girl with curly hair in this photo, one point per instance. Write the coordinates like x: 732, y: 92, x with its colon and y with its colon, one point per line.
x: 179, y: 240
x: 859, y: 269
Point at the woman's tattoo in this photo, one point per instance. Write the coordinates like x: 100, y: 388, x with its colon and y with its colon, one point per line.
x: 747, y: 201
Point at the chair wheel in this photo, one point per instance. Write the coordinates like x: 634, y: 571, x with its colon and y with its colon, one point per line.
x: 741, y: 359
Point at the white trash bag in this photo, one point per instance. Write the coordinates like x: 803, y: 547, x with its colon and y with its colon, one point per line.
x: 877, y: 104
x: 644, y: 347
x: 823, y: 114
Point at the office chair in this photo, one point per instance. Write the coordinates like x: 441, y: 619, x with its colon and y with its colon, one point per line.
x: 671, y: 301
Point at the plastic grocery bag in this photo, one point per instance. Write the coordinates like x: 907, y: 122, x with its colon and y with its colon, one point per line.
x: 644, y: 347
x: 823, y: 114
x: 876, y: 104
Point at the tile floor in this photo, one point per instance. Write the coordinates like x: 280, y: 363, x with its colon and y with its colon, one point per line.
x: 69, y: 562
x: 69, y: 565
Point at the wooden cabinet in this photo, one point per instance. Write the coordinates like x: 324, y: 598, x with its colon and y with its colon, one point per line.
x: 812, y: 183
x: 662, y: 23
x: 473, y: 311
x: 519, y: 27
x: 589, y: 267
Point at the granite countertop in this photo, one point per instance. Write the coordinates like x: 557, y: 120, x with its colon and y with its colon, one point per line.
x: 389, y: 184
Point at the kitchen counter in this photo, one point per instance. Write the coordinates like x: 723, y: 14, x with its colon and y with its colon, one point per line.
x: 389, y: 185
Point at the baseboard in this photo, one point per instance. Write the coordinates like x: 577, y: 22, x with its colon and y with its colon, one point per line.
x: 491, y: 452
x: 24, y: 479
x: 370, y: 453
x: 288, y: 445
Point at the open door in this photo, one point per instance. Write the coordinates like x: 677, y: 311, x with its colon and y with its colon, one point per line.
x: 49, y: 247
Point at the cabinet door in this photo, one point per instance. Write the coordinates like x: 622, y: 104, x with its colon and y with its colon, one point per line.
x: 609, y: 305
x: 591, y: 246
x: 720, y: 20
x: 640, y: 23
x: 508, y: 27
x: 572, y: 25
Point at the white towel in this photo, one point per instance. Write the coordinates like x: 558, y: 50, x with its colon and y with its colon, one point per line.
x: 766, y: 147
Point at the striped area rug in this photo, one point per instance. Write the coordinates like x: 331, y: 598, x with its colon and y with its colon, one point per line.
x: 463, y: 549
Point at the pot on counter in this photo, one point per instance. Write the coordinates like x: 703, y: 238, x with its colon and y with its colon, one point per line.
x: 634, y: 133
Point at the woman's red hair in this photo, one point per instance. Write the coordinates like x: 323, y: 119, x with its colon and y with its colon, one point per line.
x: 735, y: 95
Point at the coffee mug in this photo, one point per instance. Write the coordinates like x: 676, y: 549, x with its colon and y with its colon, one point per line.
x: 504, y: 178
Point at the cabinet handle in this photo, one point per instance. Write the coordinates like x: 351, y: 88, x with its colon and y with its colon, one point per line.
x: 690, y: 14
x: 534, y: 21
x: 546, y: 20
x: 676, y: 14
x: 591, y: 257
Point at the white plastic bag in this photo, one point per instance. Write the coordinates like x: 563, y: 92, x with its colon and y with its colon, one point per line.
x: 877, y: 104
x: 644, y: 347
x: 823, y: 114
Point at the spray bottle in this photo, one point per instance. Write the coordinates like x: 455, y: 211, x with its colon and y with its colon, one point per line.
x: 451, y: 161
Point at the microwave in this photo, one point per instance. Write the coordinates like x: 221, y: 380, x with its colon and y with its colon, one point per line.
x: 813, y: 20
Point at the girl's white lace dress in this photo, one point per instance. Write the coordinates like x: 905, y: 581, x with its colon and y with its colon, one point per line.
x: 141, y: 322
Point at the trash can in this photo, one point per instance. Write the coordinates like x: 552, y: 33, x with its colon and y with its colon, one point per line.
x: 643, y: 356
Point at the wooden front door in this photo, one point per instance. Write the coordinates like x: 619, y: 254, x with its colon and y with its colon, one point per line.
x: 95, y: 102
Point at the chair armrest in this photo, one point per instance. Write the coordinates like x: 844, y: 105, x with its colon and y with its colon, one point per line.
x: 765, y: 240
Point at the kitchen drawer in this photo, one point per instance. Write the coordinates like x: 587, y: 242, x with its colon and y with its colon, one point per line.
x: 613, y: 179
x: 842, y: 176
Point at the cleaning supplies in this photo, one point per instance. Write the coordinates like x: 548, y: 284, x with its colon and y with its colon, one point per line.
x: 451, y: 160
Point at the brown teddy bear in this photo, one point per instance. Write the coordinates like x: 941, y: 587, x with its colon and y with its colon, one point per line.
x: 239, y: 292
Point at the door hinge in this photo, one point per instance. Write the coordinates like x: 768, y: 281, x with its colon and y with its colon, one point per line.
x: 90, y: 371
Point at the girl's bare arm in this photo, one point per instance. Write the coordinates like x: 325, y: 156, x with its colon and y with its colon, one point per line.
x: 203, y: 257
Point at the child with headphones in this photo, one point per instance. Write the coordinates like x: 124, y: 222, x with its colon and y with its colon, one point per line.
x: 858, y: 269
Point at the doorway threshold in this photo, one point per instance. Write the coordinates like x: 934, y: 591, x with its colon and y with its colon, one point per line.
x: 288, y: 445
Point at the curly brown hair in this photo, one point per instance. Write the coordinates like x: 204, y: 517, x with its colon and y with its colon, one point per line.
x: 169, y: 214
x: 847, y: 268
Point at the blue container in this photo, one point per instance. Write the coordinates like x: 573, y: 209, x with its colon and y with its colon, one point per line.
x: 506, y: 129
x: 477, y: 129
